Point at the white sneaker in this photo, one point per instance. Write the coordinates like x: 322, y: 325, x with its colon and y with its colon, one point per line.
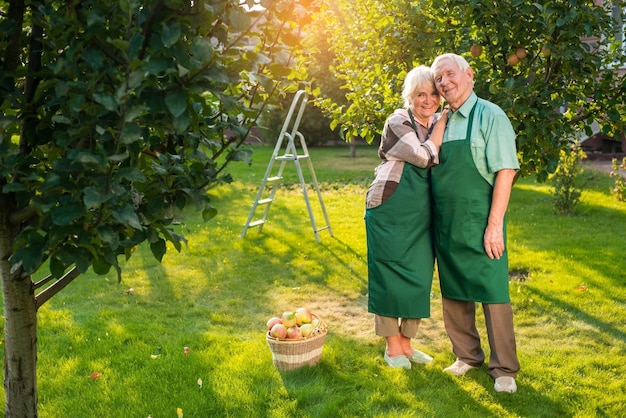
x: 505, y: 384
x: 459, y: 368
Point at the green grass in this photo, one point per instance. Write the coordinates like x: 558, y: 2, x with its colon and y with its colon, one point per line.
x: 568, y: 294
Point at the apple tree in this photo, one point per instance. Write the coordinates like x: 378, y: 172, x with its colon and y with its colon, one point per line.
x: 550, y: 65
x: 115, y: 117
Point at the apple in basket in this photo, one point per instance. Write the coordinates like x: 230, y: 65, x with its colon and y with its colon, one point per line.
x: 315, y: 322
x: 278, y: 331
x: 303, y: 316
x: 293, y: 333
x: 273, y: 321
x: 306, y: 330
x: 289, y: 319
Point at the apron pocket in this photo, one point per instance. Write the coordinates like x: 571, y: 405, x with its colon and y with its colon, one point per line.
x: 388, y: 243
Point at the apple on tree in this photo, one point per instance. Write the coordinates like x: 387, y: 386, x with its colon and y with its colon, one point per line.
x: 476, y: 50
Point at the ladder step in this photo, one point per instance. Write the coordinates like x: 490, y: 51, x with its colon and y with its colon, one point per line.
x: 265, y: 201
x: 255, y: 223
x: 275, y: 178
x: 322, y: 228
x: 291, y: 157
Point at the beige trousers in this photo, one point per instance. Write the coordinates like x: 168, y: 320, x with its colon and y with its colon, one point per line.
x: 386, y: 326
x: 460, y: 321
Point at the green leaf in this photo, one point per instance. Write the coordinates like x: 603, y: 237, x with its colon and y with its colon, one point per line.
x: 100, y: 266
x: 108, y: 236
x: 181, y: 123
x: 171, y: 34
x: 30, y: 258
x: 202, y: 49
x: 94, y: 197
x: 131, y: 134
x: 158, y: 249
x: 127, y: 216
x: 57, y: 267
x: 131, y: 174
x: 106, y: 100
x: 67, y: 213
x: 209, y: 213
x: 176, y: 102
x: 13, y: 187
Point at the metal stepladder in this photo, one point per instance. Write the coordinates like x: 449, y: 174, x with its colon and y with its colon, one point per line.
x: 290, y: 154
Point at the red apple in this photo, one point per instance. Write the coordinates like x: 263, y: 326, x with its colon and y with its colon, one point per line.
x: 306, y: 329
x: 273, y: 321
x: 513, y: 59
x: 521, y: 53
x: 293, y: 333
x: 278, y: 331
x: 289, y: 319
x: 476, y: 50
x: 303, y: 316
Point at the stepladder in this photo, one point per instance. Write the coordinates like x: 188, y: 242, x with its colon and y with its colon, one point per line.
x: 290, y: 149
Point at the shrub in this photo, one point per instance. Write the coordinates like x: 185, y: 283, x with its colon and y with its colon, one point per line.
x: 567, y: 191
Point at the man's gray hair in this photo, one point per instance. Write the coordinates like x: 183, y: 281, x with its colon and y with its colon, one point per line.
x: 460, y: 61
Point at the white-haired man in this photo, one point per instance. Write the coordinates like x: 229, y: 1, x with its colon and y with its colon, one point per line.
x: 471, y: 190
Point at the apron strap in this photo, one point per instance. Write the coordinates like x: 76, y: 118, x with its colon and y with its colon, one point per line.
x: 470, y: 123
x: 415, y: 126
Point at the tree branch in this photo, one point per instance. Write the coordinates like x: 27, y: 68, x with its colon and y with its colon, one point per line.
x: 46, y: 294
x: 23, y: 215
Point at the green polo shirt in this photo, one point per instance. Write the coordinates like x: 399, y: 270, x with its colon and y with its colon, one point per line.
x: 493, y: 138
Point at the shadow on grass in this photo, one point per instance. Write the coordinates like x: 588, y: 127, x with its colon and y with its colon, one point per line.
x: 355, y: 378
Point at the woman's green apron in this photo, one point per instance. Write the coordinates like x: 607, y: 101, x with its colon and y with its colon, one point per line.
x: 462, y: 199
x: 400, y: 255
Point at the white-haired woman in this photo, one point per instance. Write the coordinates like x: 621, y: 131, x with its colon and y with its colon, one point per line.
x: 400, y: 255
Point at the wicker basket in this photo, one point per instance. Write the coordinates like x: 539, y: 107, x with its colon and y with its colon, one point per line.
x: 292, y: 354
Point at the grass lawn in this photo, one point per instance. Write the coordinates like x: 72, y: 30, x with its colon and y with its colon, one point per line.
x: 568, y: 293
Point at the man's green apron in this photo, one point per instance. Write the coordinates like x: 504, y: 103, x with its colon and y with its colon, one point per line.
x: 462, y: 199
x: 400, y: 256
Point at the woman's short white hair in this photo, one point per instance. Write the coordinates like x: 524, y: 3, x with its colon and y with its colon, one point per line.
x: 418, y: 78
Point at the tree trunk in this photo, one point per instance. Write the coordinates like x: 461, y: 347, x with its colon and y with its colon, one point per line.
x: 20, y: 328
x: 353, y: 148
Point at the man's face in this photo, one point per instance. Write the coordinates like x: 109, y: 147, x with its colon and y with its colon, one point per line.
x: 453, y: 84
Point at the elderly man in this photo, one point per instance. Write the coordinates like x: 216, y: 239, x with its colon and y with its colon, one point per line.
x: 471, y: 189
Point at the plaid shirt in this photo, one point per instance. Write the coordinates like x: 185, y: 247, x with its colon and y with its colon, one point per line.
x: 399, y: 143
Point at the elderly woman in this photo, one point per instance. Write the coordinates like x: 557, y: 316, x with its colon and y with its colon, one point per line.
x: 400, y: 254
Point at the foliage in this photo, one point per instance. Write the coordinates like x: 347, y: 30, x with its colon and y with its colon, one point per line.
x: 567, y: 192
x: 125, y: 118
x: 560, y: 86
x: 370, y: 63
x: 619, y: 187
x: 114, y: 118
x: 314, y: 126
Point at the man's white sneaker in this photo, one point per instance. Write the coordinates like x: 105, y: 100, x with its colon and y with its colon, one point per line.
x: 459, y: 368
x: 505, y: 384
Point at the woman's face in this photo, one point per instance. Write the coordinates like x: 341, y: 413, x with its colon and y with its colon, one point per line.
x: 425, y: 102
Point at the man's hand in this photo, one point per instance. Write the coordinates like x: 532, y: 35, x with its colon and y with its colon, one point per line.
x: 494, y: 241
